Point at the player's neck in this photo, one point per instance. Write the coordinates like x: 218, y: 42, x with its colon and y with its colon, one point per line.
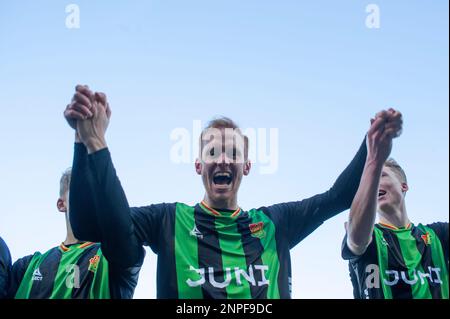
x: 70, y: 240
x: 229, y: 204
x: 395, y: 216
x: 70, y: 237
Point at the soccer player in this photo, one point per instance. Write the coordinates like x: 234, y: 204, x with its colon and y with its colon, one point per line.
x: 214, y: 249
x: 394, y: 258
x: 72, y: 270
x: 5, y: 268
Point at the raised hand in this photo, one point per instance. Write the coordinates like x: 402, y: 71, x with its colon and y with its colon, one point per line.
x: 80, y: 106
x: 89, y: 115
x: 386, y: 126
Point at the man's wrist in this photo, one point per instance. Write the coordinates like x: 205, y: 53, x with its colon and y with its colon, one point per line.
x: 374, y: 164
x: 77, y: 138
x: 95, y: 145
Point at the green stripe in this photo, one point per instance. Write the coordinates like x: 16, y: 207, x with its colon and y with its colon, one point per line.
x: 100, y: 282
x: 269, y: 256
x: 61, y: 289
x: 437, y: 255
x: 233, y: 255
x: 62, y: 284
x: 23, y: 292
x: 186, y: 252
x: 382, y: 252
x: 412, y: 257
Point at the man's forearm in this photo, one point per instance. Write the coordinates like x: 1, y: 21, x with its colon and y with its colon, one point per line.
x: 363, y: 209
x: 346, y: 185
x: 81, y: 199
x: 119, y: 242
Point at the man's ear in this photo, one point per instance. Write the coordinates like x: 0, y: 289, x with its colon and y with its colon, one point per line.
x: 61, y: 205
x: 247, y: 167
x: 198, y: 166
x: 405, y: 187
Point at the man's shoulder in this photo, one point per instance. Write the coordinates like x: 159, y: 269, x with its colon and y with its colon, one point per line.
x: 440, y: 228
x: 436, y: 225
x: 153, y: 208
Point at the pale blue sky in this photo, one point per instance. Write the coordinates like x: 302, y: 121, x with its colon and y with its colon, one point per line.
x: 311, y: 69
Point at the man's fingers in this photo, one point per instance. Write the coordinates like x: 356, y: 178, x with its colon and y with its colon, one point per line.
x: 82, y: 99
x: 395, y: 116
x: 377, y: 124
x: 390, y: 133
x: 73, y: 115
x: 108, y: 110
x: 84, y: 89
x: 82, y: 109
x: 101, y: 97
x: 382, y: 114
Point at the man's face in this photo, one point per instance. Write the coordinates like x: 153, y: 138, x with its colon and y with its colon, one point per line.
x: 222, y: 164
x: 391, y: 191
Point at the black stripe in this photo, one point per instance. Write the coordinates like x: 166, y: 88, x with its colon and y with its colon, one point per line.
x: 284, y: 258
x: 359, y: 265
x: 86, y: 275
x: 42, y: 289
x: 209, y: 253
x: 253, y: 250
x: 426, y: 262
x: 167, y: 286
x: 396, y: 262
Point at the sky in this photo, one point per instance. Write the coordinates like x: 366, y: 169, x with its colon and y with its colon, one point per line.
x: 314, y: 72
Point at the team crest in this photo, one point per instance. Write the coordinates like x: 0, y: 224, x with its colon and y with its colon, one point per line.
x: 93, y: 263
x: 257, y: 230
x: 426, y: 238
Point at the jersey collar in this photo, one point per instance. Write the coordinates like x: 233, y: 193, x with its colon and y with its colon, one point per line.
x: 214, y: 212
x: 394, y: 227
x: 64, y: 248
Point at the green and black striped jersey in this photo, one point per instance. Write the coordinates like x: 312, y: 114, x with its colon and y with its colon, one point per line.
x: 78, y: 271
x: 212, y: 254
x: 202, y: 252
x: 402, y: 263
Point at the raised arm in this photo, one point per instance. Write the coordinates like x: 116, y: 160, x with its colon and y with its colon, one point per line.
x: 301, y: 218
x: 386, y: 126
x: 99, y: 210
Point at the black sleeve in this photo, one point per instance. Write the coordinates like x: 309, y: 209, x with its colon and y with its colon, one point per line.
x: 122, y: 282
x: 354, y: 281
x: 149, y: 221
x: 347, y: 254
x: 115, y: 227
x: 5, y: 268
x: 301, y: 218
x: 81, y: 200
x: 441, y: 230
x: 17, y: 272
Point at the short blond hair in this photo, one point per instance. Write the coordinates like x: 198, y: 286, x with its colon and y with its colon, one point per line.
x: 223, y: 122
x: 397, y: 169
x: 64, y: 182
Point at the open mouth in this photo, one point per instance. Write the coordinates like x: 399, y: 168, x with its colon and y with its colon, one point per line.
x: 381, y: 192
x: 222, y: 178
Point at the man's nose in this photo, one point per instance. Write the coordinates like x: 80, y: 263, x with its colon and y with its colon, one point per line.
x: 224, y: 159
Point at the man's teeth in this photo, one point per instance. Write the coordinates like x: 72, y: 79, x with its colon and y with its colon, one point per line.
x: 222, y: 178
x: 224, y: 174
